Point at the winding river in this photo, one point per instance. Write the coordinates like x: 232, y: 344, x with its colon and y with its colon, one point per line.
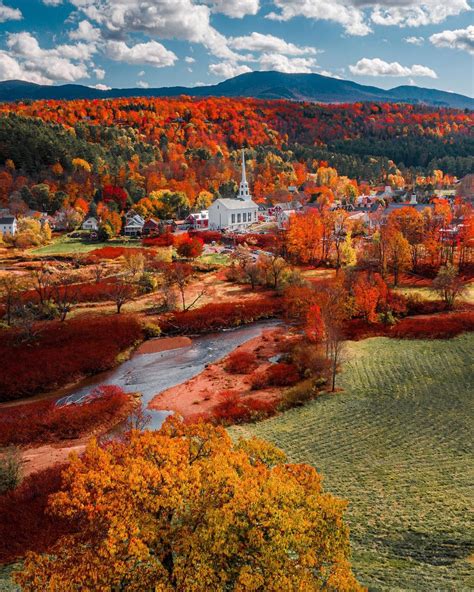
x: 153, y: 373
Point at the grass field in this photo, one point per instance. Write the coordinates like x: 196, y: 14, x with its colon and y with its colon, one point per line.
x: 71, y: 246
x: 397, y: 443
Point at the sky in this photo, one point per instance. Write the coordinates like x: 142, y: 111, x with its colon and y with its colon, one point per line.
x: 153, y: 43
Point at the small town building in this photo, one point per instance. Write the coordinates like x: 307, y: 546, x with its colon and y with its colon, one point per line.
x: 8, y: 224
x: 198, y: 220
x: 133, y: 224
x: 152, y: 226
x: 234, y: 214
x: 90, y: 224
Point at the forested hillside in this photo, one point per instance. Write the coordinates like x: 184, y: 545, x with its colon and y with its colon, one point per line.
x: 132, y: 147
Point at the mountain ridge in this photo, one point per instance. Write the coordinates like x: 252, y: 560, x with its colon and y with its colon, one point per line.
x: 260, y: 85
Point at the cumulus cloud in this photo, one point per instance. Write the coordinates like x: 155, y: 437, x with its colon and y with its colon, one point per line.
x: 47, y: 65
x: 378, y: 67
x: 164, y: 19
x: 142, y: 84
x: 85, y: 32
x: 234, y: 8
x: 355, y: 16
x: 462, y: 39
x: 151, y: 53
x: 269, y: 43
x: 414, y: 40
x: 9, y: 14
x: 282, y: 63
x: 52, y: 2
x: 101, y: 87
x: 189, y: 60
x: 99, y: 73
x: 228, y: 69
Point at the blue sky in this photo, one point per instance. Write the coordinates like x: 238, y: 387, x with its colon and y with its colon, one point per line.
x: 127, y: 43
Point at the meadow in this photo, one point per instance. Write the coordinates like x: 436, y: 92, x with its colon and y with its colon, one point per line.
x: 397, y: 443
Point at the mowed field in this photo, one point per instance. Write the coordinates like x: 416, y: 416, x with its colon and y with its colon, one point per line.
x: 396, y: 443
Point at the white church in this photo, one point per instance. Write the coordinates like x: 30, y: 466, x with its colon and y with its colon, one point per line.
x: 234, y: 214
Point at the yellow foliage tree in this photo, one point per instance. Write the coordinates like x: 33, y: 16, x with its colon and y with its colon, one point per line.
x: 186, y: 509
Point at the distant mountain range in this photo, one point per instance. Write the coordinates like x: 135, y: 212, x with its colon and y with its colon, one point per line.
x: 261, y: 85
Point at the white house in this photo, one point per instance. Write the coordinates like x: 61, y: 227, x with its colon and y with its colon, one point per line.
x: 198, y: 220
x: 8, y: 225
x: 134, y: 224
x: 90, y: 224
x: 234, y: 214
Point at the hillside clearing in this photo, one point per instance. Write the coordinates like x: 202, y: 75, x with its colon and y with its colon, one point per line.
x: 396, y: 444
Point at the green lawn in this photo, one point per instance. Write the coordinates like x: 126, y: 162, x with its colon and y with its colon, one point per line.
x: 397, y: 443
x: 71, y: 246
x: 426, y: 293
x: 214, y: 259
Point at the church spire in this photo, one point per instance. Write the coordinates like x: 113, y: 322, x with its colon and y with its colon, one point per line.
x: 244, y: 192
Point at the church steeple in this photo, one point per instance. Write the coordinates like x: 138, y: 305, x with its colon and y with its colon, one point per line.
x: 244, y: 192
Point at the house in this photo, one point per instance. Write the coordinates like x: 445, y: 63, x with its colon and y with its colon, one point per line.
x: 90, y: 224
x: 151, y: 226
x: 198, y: 220
x: 133, y: 224
x: 283, y: 216
x: 8, y: 224
x: 234, y: 214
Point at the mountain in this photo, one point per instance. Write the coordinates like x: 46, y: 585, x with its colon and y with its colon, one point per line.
x: 261, y: 85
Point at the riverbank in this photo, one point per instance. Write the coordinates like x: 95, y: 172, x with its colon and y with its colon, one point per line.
x: 197, y: 397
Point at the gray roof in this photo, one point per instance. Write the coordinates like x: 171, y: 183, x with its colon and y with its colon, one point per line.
x: 235, y: 204
x: 7, y: 219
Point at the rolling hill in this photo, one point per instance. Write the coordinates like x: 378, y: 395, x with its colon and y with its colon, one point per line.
x: 262, y: 85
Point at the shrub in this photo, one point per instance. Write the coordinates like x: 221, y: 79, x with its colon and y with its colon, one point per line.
x: 151, y: 330
x: 241, y: 362
x: 234, y: 408
x: 10, y: 472
x: 281, y: 374
x: 164, y: 240
x: 63, y: 352
x: 299, y: 394
x: 214, y: 316
x: 309, y: 359
x: 42, y: 422
x: 207, y: 236
x: 111, y: 253
x: 440, y: 326
x: 25, y: 525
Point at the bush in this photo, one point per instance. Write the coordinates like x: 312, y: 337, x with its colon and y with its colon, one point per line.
x: 300, y: 393
x: 151, y: 330
x: 309, y: 359
x: 234, y: 408
x: 63, y: 352
x: 214, y: 316
x: 164, y: 240
x: 207, y: 236
x: 10, y: 472
x: 280, y: 374
x: 240, y: 362
x: 43, y: 422
x: 440, y: 326
x: 25, y: 525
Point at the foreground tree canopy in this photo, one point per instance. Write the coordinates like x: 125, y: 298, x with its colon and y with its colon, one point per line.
x: 186, y: 509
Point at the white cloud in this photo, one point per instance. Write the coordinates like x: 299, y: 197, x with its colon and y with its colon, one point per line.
x: 269, y: 43
x: 101, y: 87
x: 99, y: 73
x: 52, y: 2
x: 462, y: 39
x: 282, y: 63
x: 142, y: 84
x: 189, y: 60
x: 9, y: 14
x: 329, y: 74
x: 152, y: 53
x: 11, y: 69
x: 48, y: 65
x: 164, y: 19
x: 85, y: 32
x: 378, y: 67
x: 228, y: 69
x: 234, y: 8
x: 355, y: 15
x: 414, y: 40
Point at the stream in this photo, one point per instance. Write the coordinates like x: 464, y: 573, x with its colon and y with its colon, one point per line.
x: 151, y: 374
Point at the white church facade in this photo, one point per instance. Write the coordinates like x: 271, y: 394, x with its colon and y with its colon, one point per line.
x: 234, y: 214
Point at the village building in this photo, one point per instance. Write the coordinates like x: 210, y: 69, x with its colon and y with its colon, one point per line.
x: 8, y: 225
x: 90, y: 224
x: 198, y: 220
x: 234, y: 214
x: 133, y: 224
x: 152, y: 226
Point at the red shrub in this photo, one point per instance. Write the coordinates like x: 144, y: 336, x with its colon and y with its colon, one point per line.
x: 43, y: 422
x: 63, y: 352
x: 237, y: 409
x: 241, y: 362
x: 264, y: 241
x: 212, y: 317
x: 112, y: 253
x: 280, y: 374
x: 189, y: 247
x: 440, y: 326
x: 207, y: 236
x: 25, y: 525
x: 164, y: 240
